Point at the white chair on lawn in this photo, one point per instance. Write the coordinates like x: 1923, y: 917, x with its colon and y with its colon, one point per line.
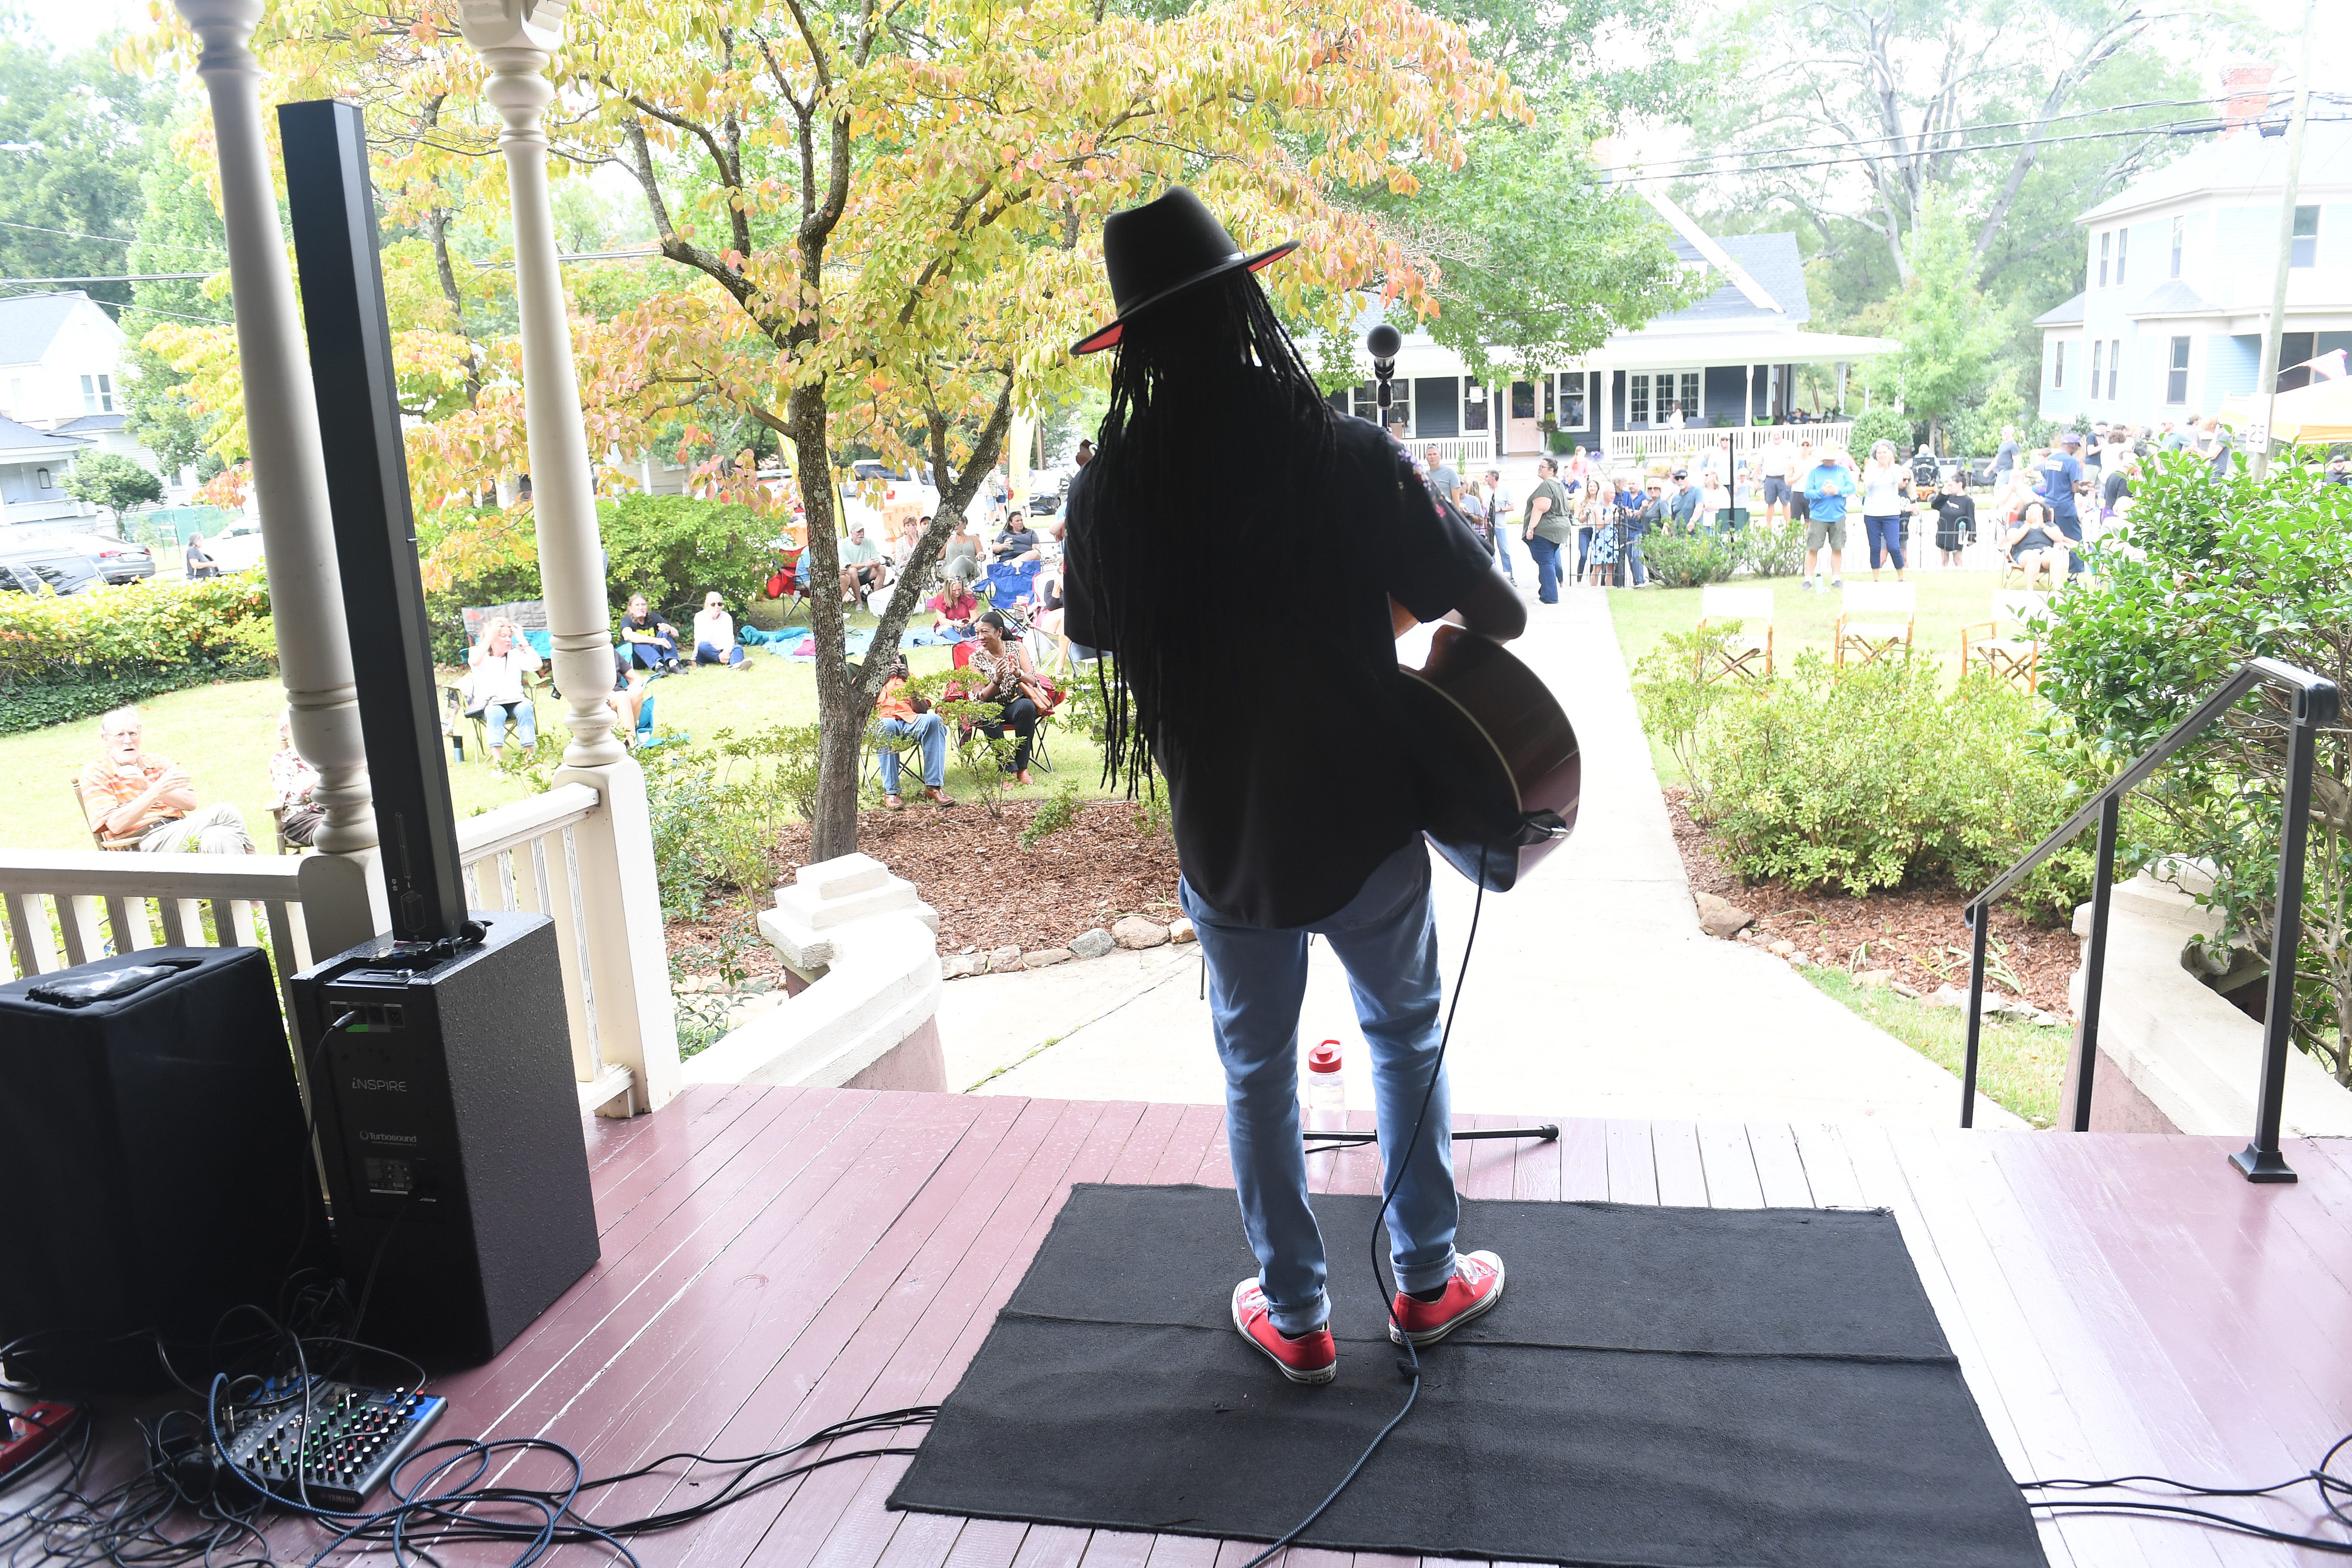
x: 1876, y: 618
x: 2016, y: 656
x: 1746, y: 652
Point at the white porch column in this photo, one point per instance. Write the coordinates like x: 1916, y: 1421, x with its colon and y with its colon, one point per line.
x: 628, y: 960
x: 1606, y: 379
x: 342, y: 892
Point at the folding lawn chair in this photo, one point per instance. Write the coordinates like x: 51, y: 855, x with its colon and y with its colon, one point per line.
x: 2014, y: 659
x: 1870, y: 638
x: 1745, y: 652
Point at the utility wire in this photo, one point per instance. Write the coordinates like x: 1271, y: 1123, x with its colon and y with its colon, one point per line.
x: 115, y: 239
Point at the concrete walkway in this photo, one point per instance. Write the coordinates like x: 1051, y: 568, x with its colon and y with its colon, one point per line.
x: 1592, y: 991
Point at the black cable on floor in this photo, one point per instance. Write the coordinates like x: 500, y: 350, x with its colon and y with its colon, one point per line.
x: 2331, y: 1488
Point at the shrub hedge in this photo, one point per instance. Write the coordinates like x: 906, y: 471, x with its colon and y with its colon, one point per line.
x: 62, y: 659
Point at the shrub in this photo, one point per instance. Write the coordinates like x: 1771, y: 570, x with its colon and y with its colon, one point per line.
x: 1881, y: 424
x: 1055, y: 813
x: 1876, y: 778
x: 717, y: 813
x: 1690, y: 560
x: 2215, y: 573
x: 1774, y: 549
x: 67, y: 658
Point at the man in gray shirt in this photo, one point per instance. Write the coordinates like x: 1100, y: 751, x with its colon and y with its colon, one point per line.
x: 1442, y: 476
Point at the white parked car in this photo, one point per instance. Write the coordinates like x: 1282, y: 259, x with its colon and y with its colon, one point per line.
x: 236, y: 548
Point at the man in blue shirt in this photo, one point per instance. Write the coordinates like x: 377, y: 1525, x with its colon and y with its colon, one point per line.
x: 2061, y: 475
x: 1826, y: 487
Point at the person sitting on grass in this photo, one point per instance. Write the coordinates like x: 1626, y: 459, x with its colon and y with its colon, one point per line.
x: 861, y: 566
x: 954, y: 607
x: 652, y: 641
x: 497, y: 692
x: 136, y: 800
x: 2033, y: 544
x: 292, y: 783
x: 1012, y: 684
x: 627, y: 698
x: 714, y: 634
x: 901, y: 712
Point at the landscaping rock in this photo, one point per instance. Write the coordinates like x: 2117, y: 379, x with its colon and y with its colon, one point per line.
x: 1134, y: 931
x: 1090, y: 944
x: 2050, y: 1020
x: 1046, y: 957
x: 1179, y: 931
x: 1786, y: 949
x: 956, y: 965
x: 1875, y: 979
x: 1004, y: 958
x: 1721, y: 918
x: 1948, y: 996
x: 1902, y: 990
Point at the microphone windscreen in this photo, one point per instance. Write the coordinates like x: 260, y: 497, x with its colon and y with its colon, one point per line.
x: 1383, y: 340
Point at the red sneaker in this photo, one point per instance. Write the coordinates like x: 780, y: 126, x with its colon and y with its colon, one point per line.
x: 1476, y: 1285
x: 1310, y: 1358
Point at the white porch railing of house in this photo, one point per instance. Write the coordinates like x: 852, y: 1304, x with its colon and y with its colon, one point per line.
x: 1456, y: 449
x: 1642, y: 446
x: 65, y: 908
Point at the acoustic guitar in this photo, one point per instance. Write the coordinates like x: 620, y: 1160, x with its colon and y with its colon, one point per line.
x: 1497, y: 757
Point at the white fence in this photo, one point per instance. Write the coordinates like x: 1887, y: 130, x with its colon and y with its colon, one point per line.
x: 65, y: 908
x: 1642, y: 446
x: 1457, y: 450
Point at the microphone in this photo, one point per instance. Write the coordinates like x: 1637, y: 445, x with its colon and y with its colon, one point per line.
x: 1382, y: 343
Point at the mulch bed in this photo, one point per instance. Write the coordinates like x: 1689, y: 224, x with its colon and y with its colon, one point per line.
x: 970, y: 866
x: 1916, y: 932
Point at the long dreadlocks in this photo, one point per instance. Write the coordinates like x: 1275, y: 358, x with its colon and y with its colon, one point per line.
x: 1215, y: 429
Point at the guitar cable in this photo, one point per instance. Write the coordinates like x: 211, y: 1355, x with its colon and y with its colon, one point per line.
x: 1408, y: 1365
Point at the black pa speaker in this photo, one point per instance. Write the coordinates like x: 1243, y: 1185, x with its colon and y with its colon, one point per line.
x: 159, y: 1174
x: 449, y: 1126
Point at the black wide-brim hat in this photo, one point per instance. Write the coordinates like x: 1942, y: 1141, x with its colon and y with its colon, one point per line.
x: 1160, y: 249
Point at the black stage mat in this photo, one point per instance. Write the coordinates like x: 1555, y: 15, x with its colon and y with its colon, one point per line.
x: 1667, y: 1386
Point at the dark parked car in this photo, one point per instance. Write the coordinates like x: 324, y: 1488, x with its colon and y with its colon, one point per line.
x: 117, y: 560
x: 59, y: 571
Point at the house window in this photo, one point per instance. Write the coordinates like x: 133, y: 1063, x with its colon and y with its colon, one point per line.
x: 2123, y: 243
x: 2098, y: 359
x: 1637, y: 400
x: 1473, y: 407
x: 43, y: 475
x: 97, y: 394
x: 2178, y: 224
x: 1687, y: 401
x: 1574, y: 401
x: 2176, y: 372
x: 2106, y: 247
x: 1439, y: 399
x: 1367, y: 406
x: 2304, y: 250
x: 2114, y: 365
x: 1523, y: 400
x: 2058, y: 363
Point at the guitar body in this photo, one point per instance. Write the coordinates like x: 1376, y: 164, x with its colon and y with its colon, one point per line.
x: 1499, y: 758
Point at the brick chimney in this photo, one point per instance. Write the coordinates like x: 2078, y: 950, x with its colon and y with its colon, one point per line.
x: 2247, y: 89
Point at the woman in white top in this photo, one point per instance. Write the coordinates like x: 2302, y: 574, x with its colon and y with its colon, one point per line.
x: 502, y: 662
x: 1885, y: 500
x: 714, y: 635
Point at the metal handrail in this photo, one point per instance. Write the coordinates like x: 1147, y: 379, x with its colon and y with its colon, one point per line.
x: 2315, y: 704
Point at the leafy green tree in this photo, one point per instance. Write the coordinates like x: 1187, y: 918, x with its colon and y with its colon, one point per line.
x: 72, y: 139
x: 1949, y: 335
x: 114, y: 481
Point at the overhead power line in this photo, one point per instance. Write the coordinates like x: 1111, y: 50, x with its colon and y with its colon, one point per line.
x: 120, y: 278
x: 114, y: 239
x: 1853, y: 142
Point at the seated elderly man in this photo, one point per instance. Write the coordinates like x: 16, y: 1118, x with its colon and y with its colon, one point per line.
x: 137, y: 800
x: 900, y: 712
x: 861, y: 565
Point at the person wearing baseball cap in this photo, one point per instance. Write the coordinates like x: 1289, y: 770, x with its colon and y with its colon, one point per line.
x: 2061, y: 482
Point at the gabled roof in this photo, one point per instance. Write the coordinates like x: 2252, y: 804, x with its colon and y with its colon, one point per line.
x: 29, y: 324
x: 2173, y: 298
x: 22, y: 443
x: 2245, y: 164
x: 2069, y: 314
x: 94, y: 425
x: 1772, y: 261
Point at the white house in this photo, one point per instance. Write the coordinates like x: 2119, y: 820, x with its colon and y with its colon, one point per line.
x: 2179, y: 267
x: 60, y: 376
x: 1725, y: 361
x: 34, y: 466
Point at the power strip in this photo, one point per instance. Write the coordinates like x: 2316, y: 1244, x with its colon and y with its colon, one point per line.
x: 357, y: 1437
x: 25, y: 1434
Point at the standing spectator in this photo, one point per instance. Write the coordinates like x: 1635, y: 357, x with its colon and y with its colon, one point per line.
x: 1826, y: 489
x: 1547, y: 525
x: 196, y: 561
x: 498, y: 691
x: 1681, y: 507
x: 2004, y: 461
x: 132, y: 800
x: 292, y: 784
x: 2183, y: 437
x: 1716, y: 462
x: 714, y: 635
x: 1648, y: 518
x: 2218, y: 439
x: 1497, y: 505
x: 2062, y: 481
x: 899, y: 712
x: 1956, y: 522
x: 2116, y: 487
x: 1442, y: 476
x: 1582, y: 468
x: 1777, y: 466
x: 1713, y: 503
x: 1886, y: 494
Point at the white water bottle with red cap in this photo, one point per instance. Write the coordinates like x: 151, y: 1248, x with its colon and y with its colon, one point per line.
x: 1326, y: 1089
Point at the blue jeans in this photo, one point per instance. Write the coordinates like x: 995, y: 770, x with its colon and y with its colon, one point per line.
x: 1583, y: 551
x: 933, y: 731
x: 526, y: 722
x: 1885, y: 533
x: 1386, y: 939
x: 1503, y: 549
x: 2072, y: 527
x: 710, y: 653
x: 1546, y: 555
x: 654, y: 654
x: 1633, y: 558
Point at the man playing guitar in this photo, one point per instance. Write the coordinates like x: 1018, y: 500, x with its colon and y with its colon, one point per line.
x: 1214, y: 413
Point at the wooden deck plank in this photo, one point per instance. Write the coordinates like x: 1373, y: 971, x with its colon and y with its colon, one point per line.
x: 1492, y: 1160
x: 1535, y: 1178
x: 1829, y: 1169
x: 1188, y: 1144
x: 1682, y: 1177
x: 1146, y: 1145
x: 1779, y: 1169
x: 1117, y: 1549
x: 1633, y: 1167
x: 1584, y: 1159
x: 1730, y: 1165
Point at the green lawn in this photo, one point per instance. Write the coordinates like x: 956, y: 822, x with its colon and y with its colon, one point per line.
x: 223, y: 735
x: 1947, y: 601
x: 2020, y: 1066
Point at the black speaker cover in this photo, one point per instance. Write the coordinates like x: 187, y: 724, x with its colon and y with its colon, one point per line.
x: 159, y: 1174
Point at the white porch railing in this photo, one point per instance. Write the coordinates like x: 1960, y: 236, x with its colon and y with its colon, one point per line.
x: 1456, y: 449
x: 1641, y: 446
x: 65, y: 908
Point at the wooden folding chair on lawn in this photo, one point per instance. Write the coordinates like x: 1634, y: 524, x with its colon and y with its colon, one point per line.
x: 2016, y: 658
x: 1745, y: 652
x: 1876, y: 618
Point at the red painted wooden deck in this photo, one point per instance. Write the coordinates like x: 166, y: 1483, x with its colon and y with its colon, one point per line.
x: 775, y: 1261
